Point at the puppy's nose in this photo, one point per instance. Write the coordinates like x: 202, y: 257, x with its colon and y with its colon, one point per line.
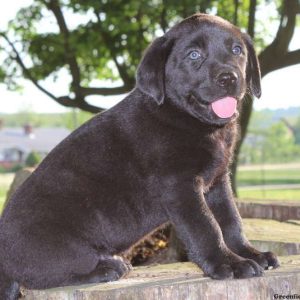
x: 227, y: 79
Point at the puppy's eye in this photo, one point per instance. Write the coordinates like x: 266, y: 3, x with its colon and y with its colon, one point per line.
x: 237, y: 50
x: 194, y: 55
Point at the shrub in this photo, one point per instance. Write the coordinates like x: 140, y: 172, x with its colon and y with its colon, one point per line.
x: 33, y: 159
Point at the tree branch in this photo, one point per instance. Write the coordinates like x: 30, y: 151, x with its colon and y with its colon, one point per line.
x: 86, y: 91
x: 80, y: 92
x: 64, y: 100
x: 273, y: 57
x: 276, y: 55
x: 53, y: 5
x: 141, y: 30
x: 25, y: 70
x: 286, y: 60
x: 121, y: 68
x: 69, y: 102
x: 251, y: 19
x: 287, y: 26
x: 236, y: 10
x: 163, y: 21
x: 246, y: 110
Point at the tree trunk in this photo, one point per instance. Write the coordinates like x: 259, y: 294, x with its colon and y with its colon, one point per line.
x: 246, y: 107
x: 244, y: 120
x: 273, y: 57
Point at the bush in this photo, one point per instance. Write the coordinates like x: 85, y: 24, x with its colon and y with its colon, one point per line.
x: 15, y: 168
x: 276, y: 144
x: 11, y: 169
x: 33, y: 159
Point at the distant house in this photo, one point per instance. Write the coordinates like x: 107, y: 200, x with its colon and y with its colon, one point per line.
x: 17, y: 143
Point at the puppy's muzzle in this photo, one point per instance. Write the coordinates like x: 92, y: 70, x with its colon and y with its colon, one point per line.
x: 227, y: 80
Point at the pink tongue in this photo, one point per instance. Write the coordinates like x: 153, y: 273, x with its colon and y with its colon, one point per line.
x: 224, y: 107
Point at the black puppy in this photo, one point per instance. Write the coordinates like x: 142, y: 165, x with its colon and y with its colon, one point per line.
x: 161, y: 155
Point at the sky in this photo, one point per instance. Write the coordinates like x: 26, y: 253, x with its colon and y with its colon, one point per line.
x: 280, y: 89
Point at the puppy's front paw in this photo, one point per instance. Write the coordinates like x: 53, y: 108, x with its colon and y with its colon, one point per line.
x: 267, y: 260
x: 242, y: 269
x: 247, y: 268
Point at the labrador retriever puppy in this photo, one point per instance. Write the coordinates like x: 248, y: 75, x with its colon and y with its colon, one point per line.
x: 160, y: 155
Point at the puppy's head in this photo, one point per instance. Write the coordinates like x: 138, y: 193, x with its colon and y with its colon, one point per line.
x: 204, y: 66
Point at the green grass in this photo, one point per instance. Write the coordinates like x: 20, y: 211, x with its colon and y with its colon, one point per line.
x: 268, y: 176
x: 292, y: 194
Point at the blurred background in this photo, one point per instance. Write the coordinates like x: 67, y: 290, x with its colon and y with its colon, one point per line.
x: 62, y: 61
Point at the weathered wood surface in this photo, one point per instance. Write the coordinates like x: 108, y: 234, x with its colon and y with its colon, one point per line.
x: 282, y: 238
x: 183, y: 281
x: 281, y: 211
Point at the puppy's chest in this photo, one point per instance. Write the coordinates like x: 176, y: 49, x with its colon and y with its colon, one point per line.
x: 220, y: 148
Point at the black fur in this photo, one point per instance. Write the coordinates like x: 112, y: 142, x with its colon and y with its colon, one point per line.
x: 137, y: 166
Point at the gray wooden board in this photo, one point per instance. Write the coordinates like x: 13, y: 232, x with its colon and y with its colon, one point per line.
x: 183, y: 281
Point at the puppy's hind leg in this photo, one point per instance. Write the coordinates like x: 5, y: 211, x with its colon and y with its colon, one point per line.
x: 109, y: 268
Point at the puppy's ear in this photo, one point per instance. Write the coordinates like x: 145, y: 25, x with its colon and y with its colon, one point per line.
x: 253, y: 70
x: 151, y: 71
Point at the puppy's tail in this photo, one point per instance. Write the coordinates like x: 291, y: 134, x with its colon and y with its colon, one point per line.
x: 9, y: 289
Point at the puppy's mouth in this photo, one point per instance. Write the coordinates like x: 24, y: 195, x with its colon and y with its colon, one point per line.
x: 225, y: 107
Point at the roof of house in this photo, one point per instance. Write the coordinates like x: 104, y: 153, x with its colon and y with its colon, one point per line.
x: 41, y: 139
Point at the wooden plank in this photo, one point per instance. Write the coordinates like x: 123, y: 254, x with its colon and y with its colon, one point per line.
x: 282, y: 238
x: 269, y: 209
x: 183, y: 281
